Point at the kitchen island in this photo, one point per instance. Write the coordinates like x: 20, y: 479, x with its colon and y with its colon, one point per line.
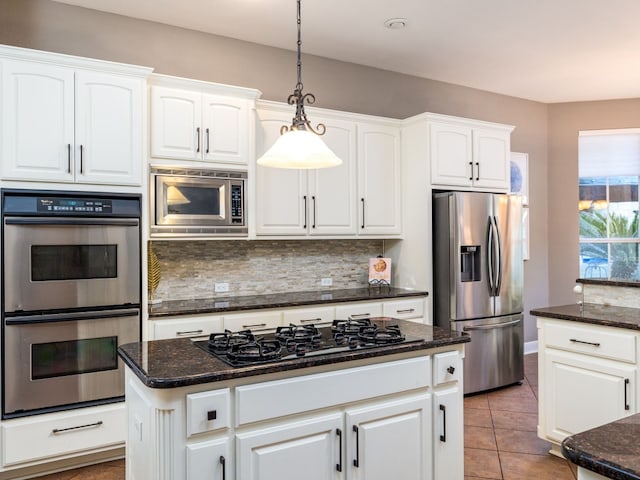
x: 588, y: 365
x: 364, y: 413
x: 608, y: 451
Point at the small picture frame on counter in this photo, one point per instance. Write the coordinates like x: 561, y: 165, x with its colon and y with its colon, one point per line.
x: 380, y: 271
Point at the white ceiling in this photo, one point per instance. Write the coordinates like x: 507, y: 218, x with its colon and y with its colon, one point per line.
x: 545, y: 50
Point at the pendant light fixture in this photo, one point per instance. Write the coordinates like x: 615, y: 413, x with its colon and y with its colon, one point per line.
x: 299, y: 145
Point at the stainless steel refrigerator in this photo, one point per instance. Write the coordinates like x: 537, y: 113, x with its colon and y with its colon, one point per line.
x: 478, y: 282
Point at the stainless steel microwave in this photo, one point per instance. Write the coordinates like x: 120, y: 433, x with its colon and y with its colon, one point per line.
x: 197, y: 202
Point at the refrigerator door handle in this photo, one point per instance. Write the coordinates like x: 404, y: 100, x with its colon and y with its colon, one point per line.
x: 491, y: 326
x: 497, y: 281
x: 490, y: 256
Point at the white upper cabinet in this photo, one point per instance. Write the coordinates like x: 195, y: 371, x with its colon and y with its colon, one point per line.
x: 307, y: 202
x: 359, y: 197
x: 77, y: 121
x: 469, y: 154
x: 379, y: 180
x: 200, y: 121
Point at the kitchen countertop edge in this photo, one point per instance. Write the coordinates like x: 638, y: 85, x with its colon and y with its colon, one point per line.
x: 277, y: 300
x: 595, y: 314
x: 611, y: 282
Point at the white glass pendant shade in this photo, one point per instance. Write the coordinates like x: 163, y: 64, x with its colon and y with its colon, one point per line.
x: 299, y: 149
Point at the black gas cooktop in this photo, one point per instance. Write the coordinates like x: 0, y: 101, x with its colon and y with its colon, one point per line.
x: 244, y: 348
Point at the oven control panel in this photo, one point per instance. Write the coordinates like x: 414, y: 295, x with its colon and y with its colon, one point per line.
x: 60, y: 204
x: 73, y: 205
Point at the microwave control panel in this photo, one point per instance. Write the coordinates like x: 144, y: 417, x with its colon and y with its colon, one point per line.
x: 236, y: 204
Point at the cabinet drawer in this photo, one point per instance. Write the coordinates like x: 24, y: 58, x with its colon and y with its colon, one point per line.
x: 73, y: 431
x: 446, y: 367
x: 208, y: 411
x: 186, y: 327
x: 275, y: 399
x: 306, y: 316
x: 256, y: 321
x: 359, y: 311
x: 606, y: 342
x: 404, y: 309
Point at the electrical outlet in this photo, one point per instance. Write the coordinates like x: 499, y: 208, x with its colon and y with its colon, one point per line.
x: 326, y: 282
x: 221, y: 287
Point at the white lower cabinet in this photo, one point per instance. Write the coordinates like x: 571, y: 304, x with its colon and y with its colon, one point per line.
x: 588, y: 376
x: 308, y: 449
x: 377, y: 421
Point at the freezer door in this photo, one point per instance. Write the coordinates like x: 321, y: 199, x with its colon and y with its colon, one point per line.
x: 509, y: 274
x: 469, y: 281
x: 495, y: 355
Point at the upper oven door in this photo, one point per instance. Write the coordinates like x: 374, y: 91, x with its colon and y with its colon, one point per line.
x: 62, y: 263
x: 187, y: 201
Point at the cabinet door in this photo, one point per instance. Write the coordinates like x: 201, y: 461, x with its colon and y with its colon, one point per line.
x: 450, y: 153
x: 390, y: 440
x: 448, y: 431
x: 176, y: 117
x: 37, y: 122
x: 379, y: 180
x: 281, y: 193
x: 210, y: 460
x: 582, y: 392
x: 108, y: 145
x: 225, y: 135
x: 308, y: 449
x: 491, y: 153
x: 332, y: 191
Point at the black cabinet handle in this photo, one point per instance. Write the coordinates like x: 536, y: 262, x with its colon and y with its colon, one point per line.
x: 56, y: 431
x: 362, y: 200
x: 443, y: 437
x: 81, y: 159
x: 471, y: 165
x: 223, y: 463
x: 626, y: 401
x: 339, y: 464
x: 477, y: 171
x: 207, y: 133
x: 356, y: 461
x: 212, y: 415
x: 68, y: 158
x: 304, y: 197
x: 574, y: 340
x: 451, y: 369
x: 313, y: 202
x: 197, y: 139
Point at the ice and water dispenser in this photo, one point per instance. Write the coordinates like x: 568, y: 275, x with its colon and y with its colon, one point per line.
x: 470, y: 263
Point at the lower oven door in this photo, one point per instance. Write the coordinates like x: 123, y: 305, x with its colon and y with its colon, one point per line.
x: 55, y: 361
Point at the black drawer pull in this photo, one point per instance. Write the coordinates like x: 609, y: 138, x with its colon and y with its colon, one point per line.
x: 626, y: 401
x: 339, y: 464
x: 223, y: 463
x: 443, y: 437
x: 56, y: 431
x: 451, y: 369
x: 574, y: 340
x: 212, y: 415
x: 189, y: 332
x: 356, y: 461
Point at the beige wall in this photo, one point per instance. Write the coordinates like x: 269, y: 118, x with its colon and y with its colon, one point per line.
x: 565, y: 121
x: 46, y: 25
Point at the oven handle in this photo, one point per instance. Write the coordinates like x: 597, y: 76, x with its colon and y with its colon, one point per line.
x: 72, y: 221
x: 73, y: 316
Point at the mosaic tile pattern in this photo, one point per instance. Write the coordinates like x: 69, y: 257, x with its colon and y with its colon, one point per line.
x: 189, y: 269
x: 618, y: 296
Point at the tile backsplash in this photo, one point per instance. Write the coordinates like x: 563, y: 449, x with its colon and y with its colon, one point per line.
x: 189, y: 269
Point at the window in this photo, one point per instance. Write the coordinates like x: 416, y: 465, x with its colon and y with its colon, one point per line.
x: 609, y: 168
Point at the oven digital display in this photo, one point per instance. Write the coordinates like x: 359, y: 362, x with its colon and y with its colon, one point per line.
x: 73, y: 205
x: 73, y: 262
x: 73, y: 357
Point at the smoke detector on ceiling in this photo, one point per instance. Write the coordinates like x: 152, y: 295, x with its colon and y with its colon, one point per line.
x: 396, y: 23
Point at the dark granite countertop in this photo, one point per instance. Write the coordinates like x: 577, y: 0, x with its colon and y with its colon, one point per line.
x: 177, y: 362
x: 611, y: 450
x: 276, y: 300
x: 605, y: 315
x: 612, y: 282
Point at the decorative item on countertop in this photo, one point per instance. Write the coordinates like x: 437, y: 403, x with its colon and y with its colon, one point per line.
x: 379, y: 271
x: 153, y: 273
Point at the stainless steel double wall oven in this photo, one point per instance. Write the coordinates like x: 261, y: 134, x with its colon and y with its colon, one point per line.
x: 70, y: 297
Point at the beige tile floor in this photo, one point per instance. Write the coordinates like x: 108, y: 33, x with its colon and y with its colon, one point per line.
x: 500, y: 439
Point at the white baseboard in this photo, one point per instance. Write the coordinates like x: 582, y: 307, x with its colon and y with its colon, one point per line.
x: 530, y: 347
